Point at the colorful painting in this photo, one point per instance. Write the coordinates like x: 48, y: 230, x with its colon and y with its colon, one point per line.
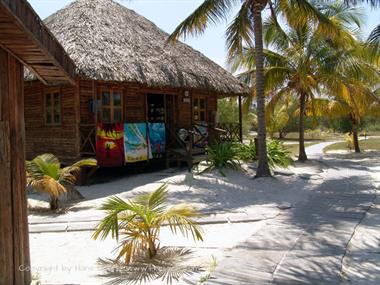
x: 157, y: 140
x: 109, y: 144
x: 135, y: 142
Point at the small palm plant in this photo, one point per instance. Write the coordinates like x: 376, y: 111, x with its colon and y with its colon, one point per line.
x: 140, y: 221
x: 44, y: 173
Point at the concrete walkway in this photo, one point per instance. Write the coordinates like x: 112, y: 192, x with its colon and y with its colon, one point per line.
x: 330, y: 238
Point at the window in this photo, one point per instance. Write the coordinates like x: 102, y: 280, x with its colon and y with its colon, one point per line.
x: 111, y: 107
x: 53, y: 108
x: 199, y: 109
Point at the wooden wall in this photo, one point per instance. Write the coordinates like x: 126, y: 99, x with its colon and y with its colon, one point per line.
x: 65, y: 140
x: 14, y: 239
x: 61, y: 140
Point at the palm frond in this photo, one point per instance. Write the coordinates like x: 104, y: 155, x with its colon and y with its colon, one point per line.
x: 154, y: 201
x: 140, y: 220
x: 110, y: 224
x: 240, y: 32
x: 181, y: 217
x: 209, y: 12
x: 49, y: 186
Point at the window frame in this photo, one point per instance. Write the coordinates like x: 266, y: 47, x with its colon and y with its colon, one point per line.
x: 200, y: 110
x: 111, y: 107
x: 51, y: 92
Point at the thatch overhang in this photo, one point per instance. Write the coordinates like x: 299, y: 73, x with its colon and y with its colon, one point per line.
x: 23, y: 34
x: 109, y: 42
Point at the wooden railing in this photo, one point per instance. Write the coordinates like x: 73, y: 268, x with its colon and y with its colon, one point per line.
x: 197, y: 139
x: 87, y: 139
x: 231, y: 132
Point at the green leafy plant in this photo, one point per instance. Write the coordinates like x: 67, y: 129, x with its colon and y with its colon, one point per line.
x: 222, y: 156
x: 246, y: 152
x: 139, y: 221
x: 349, y: 141
x: 278, y: 155
x: 44, y: 174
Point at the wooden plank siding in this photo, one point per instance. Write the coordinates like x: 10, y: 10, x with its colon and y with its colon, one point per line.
x: 61, y: 140
x: 77, y: 114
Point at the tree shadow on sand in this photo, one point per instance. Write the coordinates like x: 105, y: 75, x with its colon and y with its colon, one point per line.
x: 170, y: 264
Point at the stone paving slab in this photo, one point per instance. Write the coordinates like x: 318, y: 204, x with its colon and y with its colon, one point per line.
x: 308, y: 244
x: 361, y: 265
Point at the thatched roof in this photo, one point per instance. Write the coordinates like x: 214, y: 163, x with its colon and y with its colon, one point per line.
x: 109, y: 42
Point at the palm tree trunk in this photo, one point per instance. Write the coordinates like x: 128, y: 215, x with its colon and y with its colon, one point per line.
x: 356, y: 140
x: 53, y: 203
x: 263, y: 167
x: 302, y: 153
x: 355, y: 134
x: 152, y: 248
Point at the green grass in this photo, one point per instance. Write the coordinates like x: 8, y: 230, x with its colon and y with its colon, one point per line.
x: 369, y: 144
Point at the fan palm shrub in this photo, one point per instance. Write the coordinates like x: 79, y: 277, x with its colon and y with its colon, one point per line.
x: 139, y: 222
x: 45, y: 174
x: 221, y: 156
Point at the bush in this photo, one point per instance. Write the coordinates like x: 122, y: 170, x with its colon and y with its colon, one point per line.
x: 278, y: 155
x: 246, y: 152
x: 221, y: 156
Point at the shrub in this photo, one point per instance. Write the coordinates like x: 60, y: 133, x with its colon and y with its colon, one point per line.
x: 349, y: 141
x: 222, y: 156
x: 278, y: 155
x: 140, y: 221
x: 44, y: 174
x: 246, y: 152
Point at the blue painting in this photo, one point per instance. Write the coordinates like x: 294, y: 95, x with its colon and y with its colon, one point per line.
x: 135, y: 142
x: 157, y: 140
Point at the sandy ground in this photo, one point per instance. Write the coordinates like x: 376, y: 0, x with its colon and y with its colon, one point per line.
x: 236, y: 196
x: 236, y: 207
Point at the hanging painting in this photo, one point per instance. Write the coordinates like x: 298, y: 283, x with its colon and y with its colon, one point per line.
x: 157, y: 139
x: 135, y: 142
x: 109, y: 144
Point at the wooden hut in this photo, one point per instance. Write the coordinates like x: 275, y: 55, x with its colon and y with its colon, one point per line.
x: 24, y: 40
x: 127, y: 75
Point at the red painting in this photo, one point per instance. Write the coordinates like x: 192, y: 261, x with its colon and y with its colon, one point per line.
x: 110, y: 144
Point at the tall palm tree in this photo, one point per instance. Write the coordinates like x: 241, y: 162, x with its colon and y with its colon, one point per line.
x: 353, y: 102
x: 302, y: 62
x: 247, y: 24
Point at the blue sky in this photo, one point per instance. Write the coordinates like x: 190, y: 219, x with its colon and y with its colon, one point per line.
x: 167, y: 14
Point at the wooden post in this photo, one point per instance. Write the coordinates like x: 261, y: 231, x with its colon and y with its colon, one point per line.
x: 240, y: 120
x: 14, y: 240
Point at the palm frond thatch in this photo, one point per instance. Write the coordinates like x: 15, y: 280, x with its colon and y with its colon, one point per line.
x: 109, y: 42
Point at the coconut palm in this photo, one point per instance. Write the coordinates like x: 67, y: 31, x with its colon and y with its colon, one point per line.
x: 303, y: 61
x: 139, y: 221
x: 245, y: 26
x: 44, y: 173
x: 350, y: 98
x: 374, y: 37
